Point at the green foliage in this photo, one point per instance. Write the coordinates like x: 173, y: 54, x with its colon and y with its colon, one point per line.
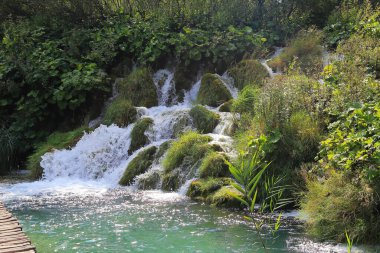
x: 7, y: 145
x: 245, y: 103
x: 140, y: 164
x: 57, y: 140
x: 139, y: 88
x: 304, y: 52
x: 138, y: 137
x: 162, y: 149
x: 120, y: 112
x: 339, y: 204
x: 226, y: 196
x: 353, y: 143
x: 248, y: 72
x: 212, y: 91
x: 205, y: 121
x: 190, y: 146
x: 213, y: 165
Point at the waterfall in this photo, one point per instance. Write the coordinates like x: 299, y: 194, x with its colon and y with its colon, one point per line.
x: 277, y: 52
x: 101, y: 156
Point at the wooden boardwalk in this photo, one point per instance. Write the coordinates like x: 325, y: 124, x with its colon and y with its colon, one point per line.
x: 12, y: 238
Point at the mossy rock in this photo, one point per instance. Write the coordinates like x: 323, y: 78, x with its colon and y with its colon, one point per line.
x: 213, y: 165
x: 138, y: 137
x: 149, y: 182
x: 201, y: 189
x: 227, y: 106
x: 205, y: 121
x: 212, y: 91
x: 140, y: 164
x: 162, y: 149
x: 120, y: 112
x: 170, y: 181
x: 224, y: 197
x: 181, y: 125
x: 184, y: 78
x: 248, y: 72
x: 56, y: 140
x: 190, y: 146
x: 139, y: 88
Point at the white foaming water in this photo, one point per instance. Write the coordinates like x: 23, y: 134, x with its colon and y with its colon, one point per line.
x: 164, y: 82
x: 229, y: 82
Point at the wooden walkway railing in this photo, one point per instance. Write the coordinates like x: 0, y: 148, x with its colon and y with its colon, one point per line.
x: 12, y: 238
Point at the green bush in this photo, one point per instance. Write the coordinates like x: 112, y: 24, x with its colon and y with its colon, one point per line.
x: 56, y: 140
x: 212, y: 91
x: 7, y: 152
x: 245, y: 103
x: 304, y: 52
x: 248, y: 72
x: 205, y: 121
x: 138, y: 137
x: 120, y: 112
x: 139, y: 88
x: 190, y: 145
x: 140, y: 164
x: 213, y: 165
x: 340, y: 204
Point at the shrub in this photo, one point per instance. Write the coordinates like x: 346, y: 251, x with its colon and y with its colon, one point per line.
x: 338, y: 204
x: 120, y: 112
x: 139, y: 88
x: 248, y: 72
x: 205, y: 121
x: 190, y: 145
x: 245, y: 103
x: 212, y: 91
x: 56, y: 140
x: 213, y: 165
x: 7, y: 152
x: 303, y: 52
x: 140, y: 164
x: 138, y: 137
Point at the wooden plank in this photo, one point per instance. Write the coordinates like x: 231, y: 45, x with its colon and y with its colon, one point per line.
x: 18, y: 249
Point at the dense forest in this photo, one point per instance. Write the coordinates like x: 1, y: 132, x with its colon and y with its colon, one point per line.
x: 316, y: 120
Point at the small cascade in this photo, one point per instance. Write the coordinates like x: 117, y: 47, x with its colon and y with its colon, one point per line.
x: 164, y: 82
x: 229, y: 82
x: 226, y: 124
x: 272, y: 73
x: 191, y: 95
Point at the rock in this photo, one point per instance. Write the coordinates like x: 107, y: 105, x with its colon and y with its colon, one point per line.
x: 120, y: 112
x: 213, y: 165
x: 139, y: 88
x: 205, y: 121
x: 227, y: 106
x: 139, y: 165
x: 212, y: 91
x: 138, y: 137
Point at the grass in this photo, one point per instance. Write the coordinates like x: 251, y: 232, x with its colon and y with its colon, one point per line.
x: 213, y: 165
x: 248, y: 72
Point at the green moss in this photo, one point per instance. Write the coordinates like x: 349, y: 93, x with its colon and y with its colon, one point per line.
x: 56, y: 140
x: 213, y: 165
x: 170, y: 181
x: 248, y: 72
x: 162, y: 149
x: 120, y: 112
x: 201, y: 189
x: 205, y: 121
x: 227, y: 106
x: 138, y: 137
x: 212, y: 91
x: 140, y: 164
x: 139, y: 88
x: 224, y: 197
x: 149, y: 182
x: 190, y: 145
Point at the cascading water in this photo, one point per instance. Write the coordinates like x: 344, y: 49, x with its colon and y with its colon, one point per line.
x: 272, y: 73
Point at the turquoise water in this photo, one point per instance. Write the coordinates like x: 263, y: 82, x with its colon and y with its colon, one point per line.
x: 122, y: 220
